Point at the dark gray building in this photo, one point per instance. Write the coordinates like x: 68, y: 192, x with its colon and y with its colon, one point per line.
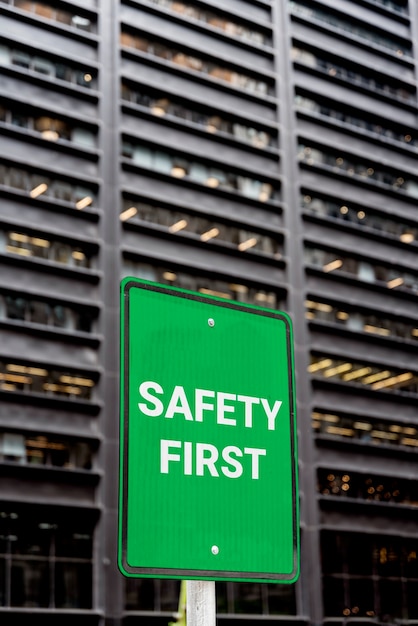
x: 262, y: 151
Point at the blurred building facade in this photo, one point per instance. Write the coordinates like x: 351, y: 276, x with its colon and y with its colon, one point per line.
x: 265, y: 151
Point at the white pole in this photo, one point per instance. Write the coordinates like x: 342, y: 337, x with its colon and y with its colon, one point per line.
x: 201, y: 603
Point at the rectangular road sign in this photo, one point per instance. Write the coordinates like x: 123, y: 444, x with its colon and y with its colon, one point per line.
x: 208, y: 482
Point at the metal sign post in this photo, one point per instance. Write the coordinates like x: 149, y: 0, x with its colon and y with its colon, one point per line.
x: 208, y: 481
x: 201, y: 603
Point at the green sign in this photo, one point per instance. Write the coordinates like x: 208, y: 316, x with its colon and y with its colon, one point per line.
x: 208, y: 486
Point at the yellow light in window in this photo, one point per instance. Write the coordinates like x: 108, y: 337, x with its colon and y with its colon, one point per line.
x: 246, y: 245
x: 238, y: 288
x: 36, y: 371
x: 78, y: 255
x: 83, y: 203
x: 13, y: 367
x: 88, y: 78
x: 394, y: 380
x: 38, y: 190
x: 414, y: 332
x: 370, y: 171
x: 409, y: 431
x: 361, y: 215
x: 338, y: 430
x: 395, y: 282
x: 174, y: 228
x: 344, y: 210
x: 178, y: 172
x: 314, y: 367
x: 342, y: 315
x: 50, y: 135
x: 209, y: 234
x: 212, y: 292
x: 407, y: 237
x: 377, y: 330
x: 16, y: 378
x: 171, y: 276
x: 16, y: 250
x: 338, y: 369
x: 128, y: 213
x: 310, y: 315
x: 77, y: 380
x: 265, y: 297
x: 395, y: 428
x: 362, y: 426
x: 41, y: 243
x: 18, y: 237
x: 408, y: 138
x: 357, y: 373
x: 212, y: 182
x: 158, y: 110
x: 408, y: 441
x: 333, y: 265
x: 263, y: 196
x: 329, y: 417
x: 381, y: 434
x: 375, y: 377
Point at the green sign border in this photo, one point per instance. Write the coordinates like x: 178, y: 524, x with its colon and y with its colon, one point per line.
x: 148, y: 572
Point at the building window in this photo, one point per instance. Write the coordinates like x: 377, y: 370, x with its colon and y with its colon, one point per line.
x: 372, y: 376
x: 49, y: 128
x: 367, y: 487
x: 49, y: 12
x: 372, y: 323
x: 83, y: 77
x: 331, y: 112
x: 178, y: 223
x: 45, y: 450
x: 356, y: 28
x: 54, y: 314
x: 361, y: 216
x: 45, y: 558
x: 161, y: 106
x: 366, y: 271
x: 29, y: 379
x: 182, y: 59
x: 216, y: 20
x: 369, y: 576
x: 231, y: 598
x: 197, y: 172
x: 342, y: 163
x: 356, y: 77
x: 365, y: 430
x: 22, y: 244
x: 41, y: 185
x: 222, y: 288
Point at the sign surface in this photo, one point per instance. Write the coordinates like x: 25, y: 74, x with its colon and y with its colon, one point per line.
x: 208, y: 483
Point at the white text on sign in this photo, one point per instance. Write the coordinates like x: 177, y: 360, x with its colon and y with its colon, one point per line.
x: 200, y: 459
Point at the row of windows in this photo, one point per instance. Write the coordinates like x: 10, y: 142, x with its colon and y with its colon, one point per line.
x: 212, y: 123
x: 371, y: 126
x: 382, y: 275
x: 367, y: 487
x: 45, y: 560
x: 365, y: 322
x: 35, y: 379
x: 370, y: 376
x: 48, y: 450
x: 386, y: 224
x: 365, y: 429
x: 215, y: 20
x: 370, y: 576
x: 197, y: 64
x: 40, y: 312
x: 354, y: 77
x: 52, y: 13
x: 37, y: 185
x: 205, y: 285
x: 395, y: 5
x: 49, y: 128
x: 363, y: 171
x: 231, y: 598
x: 195, y: 171
x: 363, y: 32
x: 47, y: 67
x: 56, y: 251
x: 180, y: 222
